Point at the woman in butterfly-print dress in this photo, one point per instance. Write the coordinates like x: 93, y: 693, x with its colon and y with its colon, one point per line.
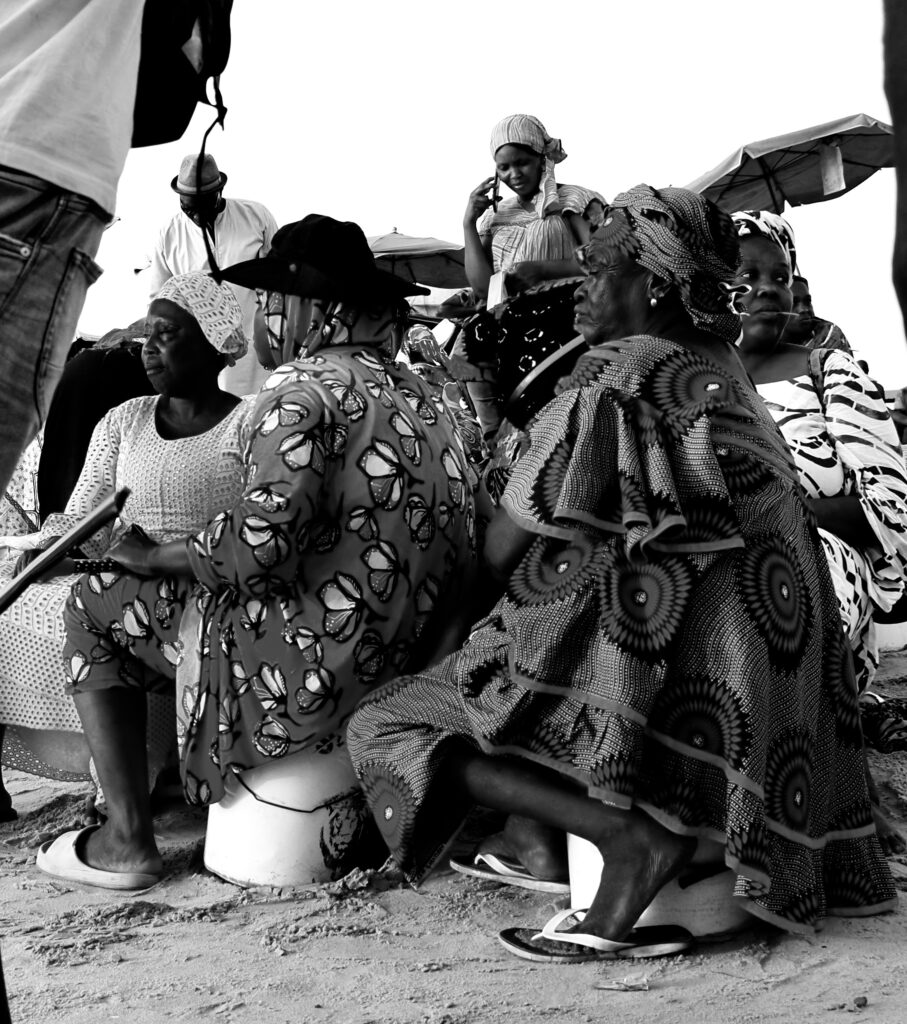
x: 321, y: 582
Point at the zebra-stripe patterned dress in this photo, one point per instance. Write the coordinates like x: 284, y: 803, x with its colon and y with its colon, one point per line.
x: 844, y: 442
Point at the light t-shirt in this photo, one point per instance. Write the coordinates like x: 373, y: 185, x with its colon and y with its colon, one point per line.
x: 68, y: 71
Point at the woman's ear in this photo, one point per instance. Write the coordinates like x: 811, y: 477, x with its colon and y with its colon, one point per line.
x: 657, y: 289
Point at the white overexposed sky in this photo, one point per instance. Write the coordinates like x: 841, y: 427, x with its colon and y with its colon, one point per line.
x: 381, y: 113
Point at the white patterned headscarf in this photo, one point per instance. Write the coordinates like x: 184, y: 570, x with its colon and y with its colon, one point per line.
x: 526, y: 130
x: 768, y: 225
x: 214, y: 307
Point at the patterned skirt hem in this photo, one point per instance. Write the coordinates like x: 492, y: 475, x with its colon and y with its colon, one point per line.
x: 885, y: 907
x: 17, y: 756
x: 624, y: 802
x: 418, y: 866
x: 804, y: 928
x: 417, y: 875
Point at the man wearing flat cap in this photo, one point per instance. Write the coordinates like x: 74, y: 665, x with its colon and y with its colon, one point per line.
x: 241, y: 230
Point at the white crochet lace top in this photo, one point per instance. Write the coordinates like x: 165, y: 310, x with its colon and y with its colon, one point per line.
x: 177, y: 485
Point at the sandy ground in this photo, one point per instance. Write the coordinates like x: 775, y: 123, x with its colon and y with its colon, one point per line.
x: 369, y: 950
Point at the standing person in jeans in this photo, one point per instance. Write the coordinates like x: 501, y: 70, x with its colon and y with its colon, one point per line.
x: 68, y: 73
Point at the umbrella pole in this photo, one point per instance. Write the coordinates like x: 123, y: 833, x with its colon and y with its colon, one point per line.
x: 771, y: 185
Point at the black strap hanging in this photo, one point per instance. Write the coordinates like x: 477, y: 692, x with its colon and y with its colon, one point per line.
x: 206, y: 226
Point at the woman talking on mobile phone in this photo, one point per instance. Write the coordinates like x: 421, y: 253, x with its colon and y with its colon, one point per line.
x: 530, y: 237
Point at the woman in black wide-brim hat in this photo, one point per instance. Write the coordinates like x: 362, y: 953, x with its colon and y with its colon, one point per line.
x: 319, y: 584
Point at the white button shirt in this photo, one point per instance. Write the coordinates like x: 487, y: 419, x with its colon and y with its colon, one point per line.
x: 242, y: 231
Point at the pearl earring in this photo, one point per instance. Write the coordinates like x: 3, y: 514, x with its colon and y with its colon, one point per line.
x: 653, y: 301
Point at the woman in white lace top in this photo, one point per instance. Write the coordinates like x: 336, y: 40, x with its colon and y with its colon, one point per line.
x: 180, y: 453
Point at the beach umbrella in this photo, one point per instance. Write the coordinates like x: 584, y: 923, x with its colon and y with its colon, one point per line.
x: 428, y: 261
x: 806, y: 166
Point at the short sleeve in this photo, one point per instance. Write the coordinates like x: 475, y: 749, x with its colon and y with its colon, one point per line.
x: 604, y: 461
x: 576, y: 199
x: 484, y: 225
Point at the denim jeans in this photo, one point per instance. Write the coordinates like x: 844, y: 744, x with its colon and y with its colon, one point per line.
x: 48, y: 240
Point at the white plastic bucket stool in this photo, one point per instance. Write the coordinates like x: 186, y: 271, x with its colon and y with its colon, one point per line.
x: 891, y: 636
x: 706, y: 908
x: 272, y: 826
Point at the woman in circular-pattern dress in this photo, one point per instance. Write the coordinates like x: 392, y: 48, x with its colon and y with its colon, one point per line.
x: 665, y: 662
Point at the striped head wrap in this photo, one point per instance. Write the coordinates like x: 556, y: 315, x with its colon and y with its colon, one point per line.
x: 684, y: 239
x: 214, y: 307
x: 769, y: 225
x: 526, y: 130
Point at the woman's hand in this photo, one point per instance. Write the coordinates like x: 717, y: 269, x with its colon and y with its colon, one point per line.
x: 526, y: 274
x: 65, y: 567
x: 422, y: 347
x: 140, y: 555
x: 479, y: 201
x: 25, y: 559
x: 135, y: 551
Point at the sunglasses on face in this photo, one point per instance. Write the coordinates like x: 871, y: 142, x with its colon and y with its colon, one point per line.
x: 273, y: 307
x: 270, y: 303
x: 592, y: 263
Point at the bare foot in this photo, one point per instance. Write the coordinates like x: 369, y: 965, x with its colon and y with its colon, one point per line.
x: 640, y: 857
x: 541, y: 850
x: 891, y: 840
x: 109, y: 850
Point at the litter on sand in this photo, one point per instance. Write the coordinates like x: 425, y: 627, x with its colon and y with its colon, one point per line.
x: 631, y: 983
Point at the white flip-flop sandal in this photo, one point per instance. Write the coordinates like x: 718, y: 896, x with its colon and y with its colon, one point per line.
x: 494, y: 867
x: 60, y: 858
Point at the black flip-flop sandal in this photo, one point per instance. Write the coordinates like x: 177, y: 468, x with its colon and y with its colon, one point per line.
x: 560, y: 947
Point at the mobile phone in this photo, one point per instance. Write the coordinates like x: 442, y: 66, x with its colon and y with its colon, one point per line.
x: 495, y: 194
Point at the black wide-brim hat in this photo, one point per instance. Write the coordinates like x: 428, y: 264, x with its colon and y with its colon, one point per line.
x: 322, y: 258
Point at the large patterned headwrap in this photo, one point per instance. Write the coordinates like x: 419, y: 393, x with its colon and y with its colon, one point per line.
x: 214, y: 307
x: 526, y: 130
x: 769, y: 225
x: 681, y: 237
